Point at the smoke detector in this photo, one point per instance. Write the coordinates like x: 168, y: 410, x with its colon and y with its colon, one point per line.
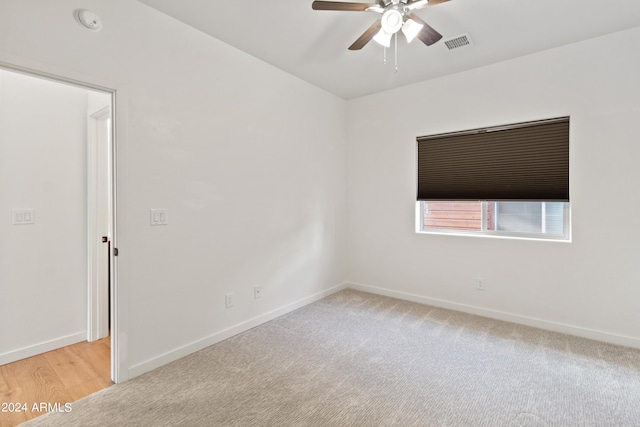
x: 88, y: 19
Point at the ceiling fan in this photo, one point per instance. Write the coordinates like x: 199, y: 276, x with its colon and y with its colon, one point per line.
x: 396, y: 15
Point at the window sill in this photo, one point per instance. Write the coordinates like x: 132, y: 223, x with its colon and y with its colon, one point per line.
x: 558, y: 239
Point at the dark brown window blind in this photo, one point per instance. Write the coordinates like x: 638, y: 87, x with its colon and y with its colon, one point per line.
x: 520, y: 162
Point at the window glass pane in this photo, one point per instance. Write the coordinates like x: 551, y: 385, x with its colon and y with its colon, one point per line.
x: 523, y: 217
x: 452, y: 216
x: 554, y: 217
x: 500, y: 218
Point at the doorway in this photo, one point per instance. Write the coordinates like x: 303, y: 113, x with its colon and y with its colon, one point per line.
x: 57, y: 174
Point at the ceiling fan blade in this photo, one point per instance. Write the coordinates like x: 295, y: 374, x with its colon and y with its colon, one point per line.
x: 421, y: 4
x: 366, y: 36
x: 427, y: 35
x: 346, y: 6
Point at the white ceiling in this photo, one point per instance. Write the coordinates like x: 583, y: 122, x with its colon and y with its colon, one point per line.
x: 313, y: 44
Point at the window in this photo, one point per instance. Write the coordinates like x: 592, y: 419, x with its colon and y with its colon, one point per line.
x: 505, y: 181
x: 546, y: 220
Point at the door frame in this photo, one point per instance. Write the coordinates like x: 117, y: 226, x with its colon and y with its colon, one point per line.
x: 119, y: 372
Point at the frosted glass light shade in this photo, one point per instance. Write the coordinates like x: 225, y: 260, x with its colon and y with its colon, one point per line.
x: 383, y: 38
x: 411, y: 29
x: 391, y: 21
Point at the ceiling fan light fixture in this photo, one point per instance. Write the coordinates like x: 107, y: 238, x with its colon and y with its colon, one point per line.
x: 391, y: 21
x: 411, y: 29
x: 383, y: 38
x: 396, y: 15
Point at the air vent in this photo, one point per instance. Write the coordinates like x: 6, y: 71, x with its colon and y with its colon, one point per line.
x: 458, y: 42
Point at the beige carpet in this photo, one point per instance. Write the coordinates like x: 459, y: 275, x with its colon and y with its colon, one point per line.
x: 365, y: 360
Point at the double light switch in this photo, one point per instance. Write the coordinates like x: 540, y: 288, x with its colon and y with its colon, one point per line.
x: 159, y: 217
x: 23, y: 216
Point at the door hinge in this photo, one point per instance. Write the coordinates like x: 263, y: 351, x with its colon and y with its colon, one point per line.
x: 105, y: 239
x: 115, y: 251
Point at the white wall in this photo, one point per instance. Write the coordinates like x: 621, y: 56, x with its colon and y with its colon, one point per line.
x: 43, y: 167
x: 248, y: 160
x: 251, y: 164
x: 589, y: 286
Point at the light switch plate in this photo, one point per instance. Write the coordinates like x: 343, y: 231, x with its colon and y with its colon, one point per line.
x: 159, y: 216
x: 23, y: 216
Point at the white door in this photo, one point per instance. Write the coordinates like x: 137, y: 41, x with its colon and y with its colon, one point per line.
x: 99, y: 219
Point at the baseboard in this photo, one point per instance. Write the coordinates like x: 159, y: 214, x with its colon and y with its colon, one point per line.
x: 508, y: 317
x: 43, y: 347
x: 185, y: 350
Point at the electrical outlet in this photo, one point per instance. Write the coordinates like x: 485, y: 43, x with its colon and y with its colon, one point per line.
x: 228, y: 300
x: 257, y: 292
x: 480, y: 284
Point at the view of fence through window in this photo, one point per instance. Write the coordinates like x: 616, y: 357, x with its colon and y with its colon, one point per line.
x: 545, y: 218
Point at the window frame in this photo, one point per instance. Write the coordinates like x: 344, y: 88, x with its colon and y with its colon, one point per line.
x: 565, y: 237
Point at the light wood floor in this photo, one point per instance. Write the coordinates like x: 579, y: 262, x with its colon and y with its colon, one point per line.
x: 59, y: 376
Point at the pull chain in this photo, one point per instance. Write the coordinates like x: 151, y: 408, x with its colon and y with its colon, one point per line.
x: 395, y: 49
x: 384, y: 55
